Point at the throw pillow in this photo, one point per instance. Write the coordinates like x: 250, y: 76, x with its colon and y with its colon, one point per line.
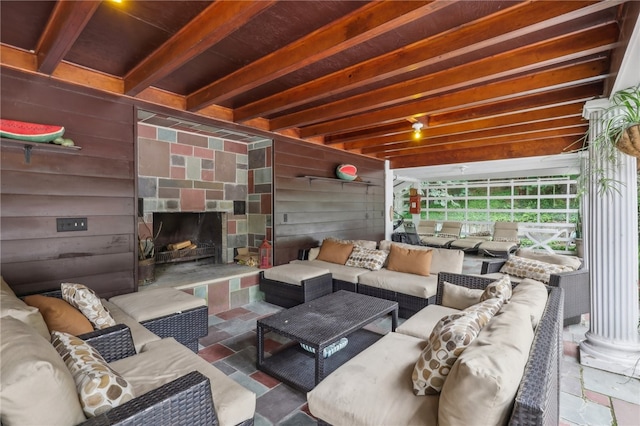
x: 531, y: 268
x: 500, y: 289
x: 313, y: 253
x: 459, y: 297
x: 60, y: 315
x: 486, y: 310
x: 11, y: 306
x: 403, y: 259
x: 447, y: 341
x: 99, y: 387
x: 371, y: 259
x: 83, y: 298
x: 335, y: 251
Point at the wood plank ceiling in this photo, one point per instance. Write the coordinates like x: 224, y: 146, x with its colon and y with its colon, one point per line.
x: 487, y: 79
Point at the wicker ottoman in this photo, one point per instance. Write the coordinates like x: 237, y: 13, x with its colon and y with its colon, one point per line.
x: 168, y: 312
x: 292, y: 284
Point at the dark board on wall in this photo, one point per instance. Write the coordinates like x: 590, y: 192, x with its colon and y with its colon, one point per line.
x: 307, y: 210
x: 96, y: 182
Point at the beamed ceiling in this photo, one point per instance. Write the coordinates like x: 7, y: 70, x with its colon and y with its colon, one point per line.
x: 488, y: 79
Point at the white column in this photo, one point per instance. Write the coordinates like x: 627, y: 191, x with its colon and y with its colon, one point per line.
x: 611, y: 238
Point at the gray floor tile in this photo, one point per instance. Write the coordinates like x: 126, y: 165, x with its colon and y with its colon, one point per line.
x: 615, y: 385
x: 298, y: 419
x: 258, y: 388
x: 581, y: 412
x: 279, y: 402
x: 259, y: 420
x: 243, y: 361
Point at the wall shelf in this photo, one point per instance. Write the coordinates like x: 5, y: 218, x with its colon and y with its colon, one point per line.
x: 336, y: 180
x: 29, y: 146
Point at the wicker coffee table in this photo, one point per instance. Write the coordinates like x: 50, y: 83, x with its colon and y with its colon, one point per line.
x: 318, y: 324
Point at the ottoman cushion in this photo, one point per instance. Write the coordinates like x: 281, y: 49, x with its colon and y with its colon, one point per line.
x: 156, y: 303
x: 292, y: 273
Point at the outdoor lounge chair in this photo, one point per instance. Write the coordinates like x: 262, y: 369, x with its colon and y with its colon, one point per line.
x: 450, y: 232
x: 471, y: 242
x: 505, y: 240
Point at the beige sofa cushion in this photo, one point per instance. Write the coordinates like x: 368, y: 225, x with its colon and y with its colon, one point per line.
x: 140, y: 334
x: 572, y: 262
x: 421, y: 324
x: 335, y: 251
x: 459, y: 297
x: 11, y: 306
x: 532, y: 295
x: 338, y: 272
x: 411, y: 284
x: 165, y: 360
x: 156, y: 303
x: 374, y: 388
x: 488, y: 372
x: 36, y: 388
x: 402, y: 259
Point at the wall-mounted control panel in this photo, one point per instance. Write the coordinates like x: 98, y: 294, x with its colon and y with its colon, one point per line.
x: 66, y: 224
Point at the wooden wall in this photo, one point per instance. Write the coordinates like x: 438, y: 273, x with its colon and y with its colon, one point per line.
x: 307, y: 211
x: 97, y: 182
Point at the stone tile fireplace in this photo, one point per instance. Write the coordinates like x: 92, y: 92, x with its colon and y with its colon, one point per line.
x: 192, y: 173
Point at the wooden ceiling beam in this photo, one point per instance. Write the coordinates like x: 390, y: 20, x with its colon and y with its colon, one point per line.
x: 577, y: 93
x: 367, y: 22
x: 550, y: 111
x: 592, y: 70
x: 515, y: 21
x: 575, y: 132
x: 67, y: 21
x: 211, y: 26
x: 514, y: 132
x: 523, y: 59
x: 505, y: 151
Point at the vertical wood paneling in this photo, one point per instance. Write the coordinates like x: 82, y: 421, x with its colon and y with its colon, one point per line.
x: 307, y: 211
x: 97, y: 182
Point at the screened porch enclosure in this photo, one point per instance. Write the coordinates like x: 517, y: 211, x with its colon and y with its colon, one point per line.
x: 546, y: 208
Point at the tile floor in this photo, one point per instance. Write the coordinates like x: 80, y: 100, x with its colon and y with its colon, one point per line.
x: 588, y: 396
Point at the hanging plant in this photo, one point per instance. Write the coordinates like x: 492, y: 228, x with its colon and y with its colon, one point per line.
x: 619, y: 131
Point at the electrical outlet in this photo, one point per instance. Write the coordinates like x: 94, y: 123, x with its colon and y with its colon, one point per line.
x: 66, y: 224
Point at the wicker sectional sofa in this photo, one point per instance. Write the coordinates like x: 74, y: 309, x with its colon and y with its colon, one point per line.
x: 412, y: 291
x: 574, y: 281
x: 171, y: 384
x: 510, y: 372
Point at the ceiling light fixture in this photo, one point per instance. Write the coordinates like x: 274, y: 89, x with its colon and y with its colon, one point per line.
x: 417, y: 130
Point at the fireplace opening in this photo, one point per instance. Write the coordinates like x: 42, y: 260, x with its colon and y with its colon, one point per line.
x: 186, y: 236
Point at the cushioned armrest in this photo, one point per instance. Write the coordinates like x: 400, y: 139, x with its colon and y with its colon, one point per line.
x: 112, y: 343
x: 184, y: 401
x: 469, y: 281
x: 491, y: 266
x: 577, y: 297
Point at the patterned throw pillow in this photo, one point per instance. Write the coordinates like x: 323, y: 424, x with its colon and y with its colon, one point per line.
x: 486, y: 310
x: 500, y: 289
x: 84, y: 299
x: 99, y: 387
x: 446, y: 342
x: 530, y: 268
x: 371, y: 259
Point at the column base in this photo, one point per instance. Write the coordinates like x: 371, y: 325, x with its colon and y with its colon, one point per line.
x: 619, y: 358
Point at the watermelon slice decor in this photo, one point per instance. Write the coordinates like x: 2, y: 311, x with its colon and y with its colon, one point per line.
x: 31, y: 132
x: 347, y: 172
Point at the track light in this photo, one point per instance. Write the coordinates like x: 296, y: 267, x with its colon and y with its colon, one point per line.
x: 417, y: 132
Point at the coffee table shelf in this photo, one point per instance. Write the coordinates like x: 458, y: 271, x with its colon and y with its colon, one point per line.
x: 296, y: 367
